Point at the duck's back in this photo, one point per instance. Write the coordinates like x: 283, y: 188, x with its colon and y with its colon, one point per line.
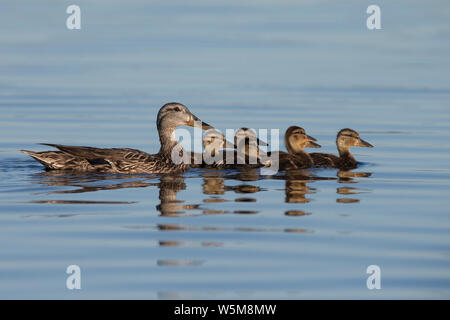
x: 331, y: 160
x: 325, y: 159
x: 289, y: 161
x: 114, y: 160
x: 58, y: 160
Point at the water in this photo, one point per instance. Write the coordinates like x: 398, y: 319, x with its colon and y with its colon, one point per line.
x: 229, y: 234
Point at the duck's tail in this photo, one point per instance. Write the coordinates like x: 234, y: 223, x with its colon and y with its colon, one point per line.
x: 47, y: 158
x: 39, y: 157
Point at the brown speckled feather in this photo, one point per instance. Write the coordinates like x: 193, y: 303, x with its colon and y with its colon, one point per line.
x: 325, y: 159
x: 58, y: 160
x: 118, y: 160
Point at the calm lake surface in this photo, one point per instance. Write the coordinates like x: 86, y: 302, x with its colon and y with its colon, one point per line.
x: 227, y: 233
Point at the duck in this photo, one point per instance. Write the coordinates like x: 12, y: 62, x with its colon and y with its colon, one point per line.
x: 246, y: 153
x: 169, y: 159
x: 213, y: 142
x: 345, y: 139
x: 243, y: 153
x: 295, y: 139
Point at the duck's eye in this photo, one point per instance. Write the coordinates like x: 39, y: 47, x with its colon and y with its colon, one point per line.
x: 177, y: 109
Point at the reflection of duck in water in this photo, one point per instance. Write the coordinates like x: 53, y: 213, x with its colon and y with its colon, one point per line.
x: 169, y: 187
x: 346, y: 176
x: 126, y: 160
x: 345, y: 139
x: 296, y: 187
x: 90, y: 183
x: 295, y: 140
x: 213, y: 183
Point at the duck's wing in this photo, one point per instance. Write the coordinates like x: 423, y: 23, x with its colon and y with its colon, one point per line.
x: 111, y: 160
x: 58, y: 160
x: 289, y: 161
x: 196, y: 160
x: 325, y: 159
x: 96, y: 154
x: 117, y: 160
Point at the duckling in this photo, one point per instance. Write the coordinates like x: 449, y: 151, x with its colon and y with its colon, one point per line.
x: 247, y: 154
x: 345, y: 139
x: 213, y: 142
x: 126, y: 160
x: 295, y: 140
x: 244, y: 153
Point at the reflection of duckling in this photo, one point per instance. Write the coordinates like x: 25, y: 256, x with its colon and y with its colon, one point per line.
x: 345, y: 139
x: 345, y: 176
x: 296, y: 191
x: 296, y: 187
x: 295, y: 140
x: 296, y: 213
x: 246, y: 188
x: 213, y: 184
x: 348, y: 190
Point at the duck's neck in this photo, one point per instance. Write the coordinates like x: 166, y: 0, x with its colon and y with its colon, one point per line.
x: 288, y: 145
x: 251, y: 154
x: 306, y: 158
x: 299, y: 152
x: 168, y: 141
x: 346, y: 157
x: 211, y: 149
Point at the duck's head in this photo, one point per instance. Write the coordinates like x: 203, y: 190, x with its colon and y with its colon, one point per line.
x: 214, y: 140
x: 173, y: 114
x: 246, y: 141
x: 296, y: 139
x: 347, y: 138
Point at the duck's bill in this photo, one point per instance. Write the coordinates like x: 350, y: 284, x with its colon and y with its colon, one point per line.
x: 312, y: 144
x: 363, y: 143
x: 206, y: 126
x: 311, y: 138
x: 196, y: 122
x: 253, y: 140
x: 228, y: 145
x: 261, y: 142
x: 213, y: 133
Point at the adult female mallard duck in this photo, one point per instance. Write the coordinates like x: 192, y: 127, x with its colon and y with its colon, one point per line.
x: 345, y: 139
x: 295, y: 139
x: 126, y: 160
